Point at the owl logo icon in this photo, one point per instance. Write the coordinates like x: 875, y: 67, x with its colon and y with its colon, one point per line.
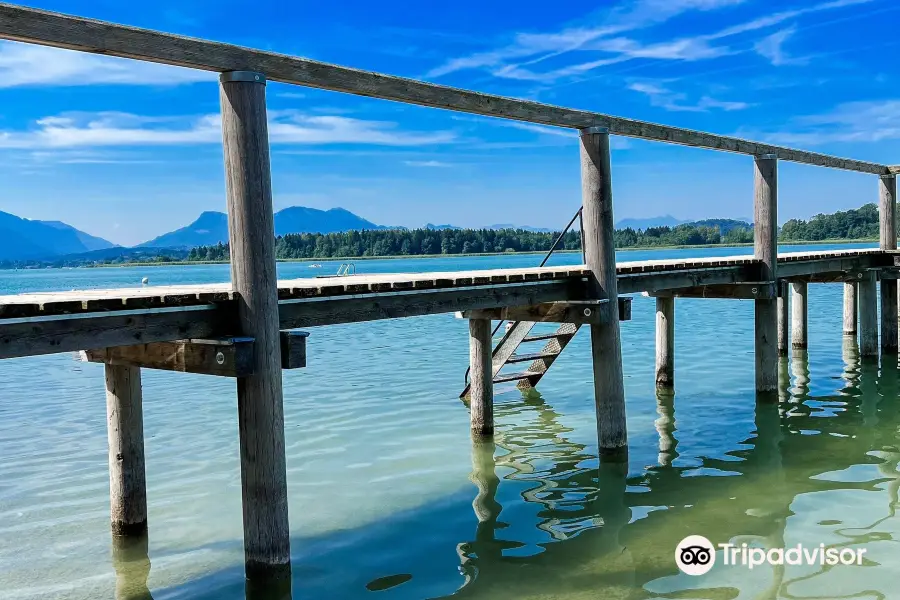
x: 695, y: 555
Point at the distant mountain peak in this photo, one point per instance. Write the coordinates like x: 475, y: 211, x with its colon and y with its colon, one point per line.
x: 26, y: 239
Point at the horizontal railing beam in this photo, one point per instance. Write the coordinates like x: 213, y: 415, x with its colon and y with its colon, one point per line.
x: 584, y: 312
x: 75, y: 33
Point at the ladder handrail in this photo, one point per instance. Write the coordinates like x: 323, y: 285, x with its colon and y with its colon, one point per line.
x: 543, y: 262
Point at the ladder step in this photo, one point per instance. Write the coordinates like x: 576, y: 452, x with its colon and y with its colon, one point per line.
x: 517, y: 358
x: 544, y: 336
x: 515, y: 376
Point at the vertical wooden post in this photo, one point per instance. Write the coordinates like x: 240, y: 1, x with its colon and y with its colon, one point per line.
x: 267, y: 551
x: 868, y: 315
x: 665, y: 427
x: 765, y: 246
x: 887, y: 203
x: 125, y: 432
x: 799, y: 315
x: 600, y: 258
x: 665, y: 343
x: 784, y: 318
x: 851, y: 308
x: 481, y: 390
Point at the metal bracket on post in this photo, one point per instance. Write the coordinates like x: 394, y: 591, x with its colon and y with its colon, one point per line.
x: 248, y: 76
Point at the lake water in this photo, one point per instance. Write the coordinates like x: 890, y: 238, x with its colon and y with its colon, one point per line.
x: 389, y: 497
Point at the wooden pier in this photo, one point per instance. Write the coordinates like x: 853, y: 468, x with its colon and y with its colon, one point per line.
x: 247, y: 329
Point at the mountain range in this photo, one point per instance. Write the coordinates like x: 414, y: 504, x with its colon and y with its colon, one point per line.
x: 24, y: 239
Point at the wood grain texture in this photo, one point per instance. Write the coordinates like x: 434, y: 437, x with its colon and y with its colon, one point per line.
x: 665, y: 343
x: 868, y: 315
x: 75, y: 33
x: 887, y: 207
x: 481, y: 392
x: 32, y: 338
x: 251, y: 230
x: 799, y: 315
x: 125, y: 434
x: 851, y: 308
x: 784, y: 318
x: 584, y: 312
x: 600, y: 259
x: 223, y: 358
x: 730, y: 291
x: 765, y: 248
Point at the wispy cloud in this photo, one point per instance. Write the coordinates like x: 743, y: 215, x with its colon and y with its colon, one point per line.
x: 772, y: 48
x: 30, y: 65
x: 84, y: 130
x: 663, y: 97
x: 861, y: 122
x: 609, y: 44
x: 426, y: 163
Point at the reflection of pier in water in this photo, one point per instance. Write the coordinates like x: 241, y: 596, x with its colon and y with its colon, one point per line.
x: 620, y: 532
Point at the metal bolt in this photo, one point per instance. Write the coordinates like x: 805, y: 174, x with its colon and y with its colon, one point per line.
x: 587, y: 312
x: 754, y: 291
x: 220, y: 358
x: 859, y: 275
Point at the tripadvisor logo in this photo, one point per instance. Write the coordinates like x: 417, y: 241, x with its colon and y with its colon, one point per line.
x: 696, y: 555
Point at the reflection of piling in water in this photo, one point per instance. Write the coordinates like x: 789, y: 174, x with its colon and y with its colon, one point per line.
x: 665, y: 427
x: 800, y: 374
x: 132, y: 565
x: 784, y: 379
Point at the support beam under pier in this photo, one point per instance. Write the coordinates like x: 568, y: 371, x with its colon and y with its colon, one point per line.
x: 267, y: 546
x: 125, y: 432
x: 868, y: 315
x: 765, y: 246
x: 600, y: 259
x: 784, y: 317
x: 799, y: 315
x: 481, y: 387
x: 665, y: 343
x: 851, y: 308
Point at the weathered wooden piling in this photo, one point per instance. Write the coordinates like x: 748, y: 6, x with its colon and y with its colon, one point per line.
x: 600, y: 259
x: 851, y: 308
x: 481, y: 387
x: 868, y: 315
x: 260, y: 410
x: 887, y: 203
x: 784, y: 318
x: 125, y: 432
x: 665, y: 342
x: 765, y: 246
x: 799, y: 315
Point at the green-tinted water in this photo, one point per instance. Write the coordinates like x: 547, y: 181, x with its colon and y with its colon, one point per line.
x: 389, y: 498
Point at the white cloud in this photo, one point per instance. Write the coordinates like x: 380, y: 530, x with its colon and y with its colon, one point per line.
x: 30, y: 65
x: 609, y: 46
x: 426, y: 163
x: 663, y: 97
x: 772, y: 48
x: 85, y: 130
x: 541, y: 46
x: 851, y: 122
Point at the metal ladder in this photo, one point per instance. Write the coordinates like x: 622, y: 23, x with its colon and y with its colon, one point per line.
x: 505, y: 352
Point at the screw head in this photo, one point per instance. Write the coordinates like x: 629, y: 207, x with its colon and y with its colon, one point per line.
x: 587, y: 312
x: 754, y: 291
x: 220, y: 358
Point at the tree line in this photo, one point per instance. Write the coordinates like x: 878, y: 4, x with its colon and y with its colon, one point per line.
x: 861, y: 223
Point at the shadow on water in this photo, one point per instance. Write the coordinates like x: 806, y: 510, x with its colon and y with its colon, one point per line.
x: 546, y: 520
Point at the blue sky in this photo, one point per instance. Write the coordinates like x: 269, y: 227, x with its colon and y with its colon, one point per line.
x: 129, y: 150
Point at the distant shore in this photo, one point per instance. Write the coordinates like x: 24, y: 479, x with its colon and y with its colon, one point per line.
x: 414, y: 256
